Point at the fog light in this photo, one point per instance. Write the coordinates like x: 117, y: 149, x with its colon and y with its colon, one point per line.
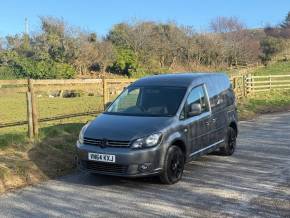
x: 145, y: 167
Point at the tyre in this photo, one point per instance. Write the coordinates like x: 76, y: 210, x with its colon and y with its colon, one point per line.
x: 173, y: 166
x: 230, y: 143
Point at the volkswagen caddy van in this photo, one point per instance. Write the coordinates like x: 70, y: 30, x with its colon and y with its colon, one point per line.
x: 158, y: 124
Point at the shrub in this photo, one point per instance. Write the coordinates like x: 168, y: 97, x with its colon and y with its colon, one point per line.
x: 24, y: 67
x: 269, y: 47
x: 7, y: 72
x: 125, y: 64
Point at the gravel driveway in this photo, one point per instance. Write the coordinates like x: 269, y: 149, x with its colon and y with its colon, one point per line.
x: 255, y: 181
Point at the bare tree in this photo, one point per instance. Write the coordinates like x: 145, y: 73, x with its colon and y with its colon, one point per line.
x: 226, y: 25
x: 238, y: 44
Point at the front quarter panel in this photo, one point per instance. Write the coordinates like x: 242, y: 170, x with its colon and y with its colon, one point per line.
x: 173, y: 134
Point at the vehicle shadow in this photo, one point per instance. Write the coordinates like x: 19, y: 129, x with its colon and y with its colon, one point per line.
x: 92, y: 179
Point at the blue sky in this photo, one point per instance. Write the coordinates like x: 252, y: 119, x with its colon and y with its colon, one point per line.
x: 99, y: 16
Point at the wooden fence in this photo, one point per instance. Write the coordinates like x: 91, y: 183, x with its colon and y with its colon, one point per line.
x: 249, y: 84
x: 243, y: 85
x: 104, y: 87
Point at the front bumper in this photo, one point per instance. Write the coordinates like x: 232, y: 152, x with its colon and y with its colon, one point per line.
x: 128, y: 162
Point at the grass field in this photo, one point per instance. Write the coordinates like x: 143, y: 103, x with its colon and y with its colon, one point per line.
x: 276, y: 68
x: 14, y: 106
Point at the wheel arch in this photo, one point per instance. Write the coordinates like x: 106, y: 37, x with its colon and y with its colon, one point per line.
x: 234, y: 125
x: 181, y: 144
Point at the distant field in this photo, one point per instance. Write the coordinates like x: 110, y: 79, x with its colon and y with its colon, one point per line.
x: 277, y: 68
x: 14, y: 106
x: 14, y: 109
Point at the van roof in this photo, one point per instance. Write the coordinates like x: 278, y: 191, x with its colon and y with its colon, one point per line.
x: 176, y: 79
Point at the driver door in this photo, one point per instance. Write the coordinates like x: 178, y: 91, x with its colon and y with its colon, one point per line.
x: 199, y: 125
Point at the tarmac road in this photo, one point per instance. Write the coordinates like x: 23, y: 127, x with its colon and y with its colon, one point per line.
x: 254, y: 182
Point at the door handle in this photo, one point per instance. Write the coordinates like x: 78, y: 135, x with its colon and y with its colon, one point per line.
x: 213, y: 120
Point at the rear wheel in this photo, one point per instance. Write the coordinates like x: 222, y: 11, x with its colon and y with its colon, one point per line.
x: 173, y: 166
x: 230, y: 143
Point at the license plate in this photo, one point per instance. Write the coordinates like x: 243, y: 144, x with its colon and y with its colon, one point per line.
x: 102, y: 157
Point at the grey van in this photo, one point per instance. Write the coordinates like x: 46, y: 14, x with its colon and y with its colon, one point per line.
x: 159, y: 123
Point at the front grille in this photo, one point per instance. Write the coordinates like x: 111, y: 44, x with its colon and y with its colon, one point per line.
x: 105, y: 167
x: 90, y: 141
x: 110, y: 143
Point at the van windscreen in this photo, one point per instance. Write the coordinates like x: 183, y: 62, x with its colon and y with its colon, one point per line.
x: 148, y: 101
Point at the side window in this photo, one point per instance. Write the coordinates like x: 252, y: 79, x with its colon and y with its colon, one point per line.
x: 196, y: 96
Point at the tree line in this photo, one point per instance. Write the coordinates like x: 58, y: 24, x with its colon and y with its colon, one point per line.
x: 133, y: 49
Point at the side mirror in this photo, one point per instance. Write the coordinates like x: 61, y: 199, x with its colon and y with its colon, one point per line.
x: 108, y: 104
x: 194, y: 109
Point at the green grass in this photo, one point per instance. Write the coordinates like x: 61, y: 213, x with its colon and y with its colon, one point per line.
x: 276, y: 68
x: 264, y: 102
x: 17, y: 136
x: 14, y: 106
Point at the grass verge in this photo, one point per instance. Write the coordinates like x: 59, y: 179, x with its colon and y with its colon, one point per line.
x: 265, y: 102
x: 24, y: 163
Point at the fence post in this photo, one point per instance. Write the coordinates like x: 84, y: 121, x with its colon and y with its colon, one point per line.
x: 244, y: 86
x: 33, y: 108
x: 29, y: 116
x: 247, y: 84
x: 104, y: 93
x: 235, y: 83
x: 252, y: 85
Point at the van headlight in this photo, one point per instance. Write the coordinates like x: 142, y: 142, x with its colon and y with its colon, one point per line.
x: 147, y: 142
x: 82, y: 132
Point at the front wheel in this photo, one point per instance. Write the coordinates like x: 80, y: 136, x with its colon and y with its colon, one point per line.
x: 173, y: 166
x: 230, y: 143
